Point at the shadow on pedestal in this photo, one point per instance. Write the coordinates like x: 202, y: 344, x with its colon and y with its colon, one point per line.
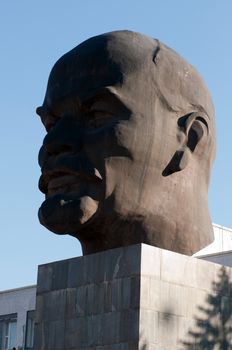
x: 213, y: 330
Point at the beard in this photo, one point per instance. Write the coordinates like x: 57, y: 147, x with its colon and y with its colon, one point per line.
x: 67, y: 213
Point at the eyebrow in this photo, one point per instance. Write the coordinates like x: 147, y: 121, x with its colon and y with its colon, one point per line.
x: 44, y: 112
x: 105, y: 91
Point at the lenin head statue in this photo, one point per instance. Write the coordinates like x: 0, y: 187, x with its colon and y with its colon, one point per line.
x: 129, y: 146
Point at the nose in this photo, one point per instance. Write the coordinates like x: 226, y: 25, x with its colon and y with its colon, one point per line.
x: 65, y: 136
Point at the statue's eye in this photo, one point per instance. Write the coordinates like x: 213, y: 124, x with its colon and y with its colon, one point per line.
x: 99, y: 119
x: 100, y: 113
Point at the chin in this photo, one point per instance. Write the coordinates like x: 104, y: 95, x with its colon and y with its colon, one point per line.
x: 67, y: 214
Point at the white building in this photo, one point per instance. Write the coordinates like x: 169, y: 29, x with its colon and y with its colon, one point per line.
x: 220, y: 251
x: 17, y: 306
x: 17, y: 311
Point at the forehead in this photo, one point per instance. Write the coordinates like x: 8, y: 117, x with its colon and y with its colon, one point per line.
x: 105, y: 60
x: 81, y: 75
x: 127, y: 59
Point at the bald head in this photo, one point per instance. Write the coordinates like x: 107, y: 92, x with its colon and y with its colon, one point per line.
x: 112, y: 57
x: 129, y: 109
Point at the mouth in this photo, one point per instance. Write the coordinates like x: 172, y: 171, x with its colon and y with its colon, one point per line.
x: 58, y: 182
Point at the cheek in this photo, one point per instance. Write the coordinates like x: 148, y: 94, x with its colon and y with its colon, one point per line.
x: 112, y: 141
x: 122, y: 184
x: 123, y: 151
x: 128, y: 136
x: 109, y: 149
x: 137, y: 136
x: 126, y: 133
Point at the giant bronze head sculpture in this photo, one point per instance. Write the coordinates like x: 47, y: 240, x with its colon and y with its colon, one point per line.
x: 129, y: 147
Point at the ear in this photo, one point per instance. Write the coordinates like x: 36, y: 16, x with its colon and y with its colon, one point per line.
x: 193, y: 129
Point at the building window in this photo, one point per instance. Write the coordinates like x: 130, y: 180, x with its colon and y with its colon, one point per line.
x: 8, y: 324
x: 30, y: 330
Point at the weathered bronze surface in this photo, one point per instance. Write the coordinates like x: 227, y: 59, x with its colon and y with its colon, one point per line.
x: 129, y: 147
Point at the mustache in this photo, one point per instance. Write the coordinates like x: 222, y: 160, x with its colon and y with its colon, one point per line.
x: 56, y: 166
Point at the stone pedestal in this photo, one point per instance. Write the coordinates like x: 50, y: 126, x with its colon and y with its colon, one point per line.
x: 138, y: 297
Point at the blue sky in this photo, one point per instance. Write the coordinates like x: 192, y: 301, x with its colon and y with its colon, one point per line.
x: 33, y: 35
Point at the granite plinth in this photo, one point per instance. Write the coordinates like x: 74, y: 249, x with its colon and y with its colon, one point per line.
x: 138, y: 297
